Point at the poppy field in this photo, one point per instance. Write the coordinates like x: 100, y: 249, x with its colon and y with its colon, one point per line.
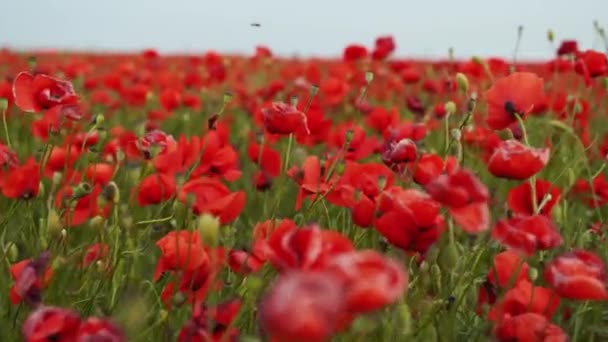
x: 211, y: 197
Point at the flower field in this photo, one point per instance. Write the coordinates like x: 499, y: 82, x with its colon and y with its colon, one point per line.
x: 150, y: 197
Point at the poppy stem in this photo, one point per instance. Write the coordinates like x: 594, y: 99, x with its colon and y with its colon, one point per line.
x: 532, y: 180
x: 8, y: 137
x: 288, y: 153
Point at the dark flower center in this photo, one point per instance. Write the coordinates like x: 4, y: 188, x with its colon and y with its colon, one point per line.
x: 510, y: 108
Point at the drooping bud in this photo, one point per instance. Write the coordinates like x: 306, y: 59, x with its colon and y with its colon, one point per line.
x: 111, y: 193
x: 81, y: 190
x: 369, y: 77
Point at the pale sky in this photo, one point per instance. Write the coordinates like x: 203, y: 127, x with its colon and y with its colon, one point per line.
x: 422, y: 28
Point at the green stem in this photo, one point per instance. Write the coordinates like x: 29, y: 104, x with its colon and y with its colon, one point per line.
x: 8, y: 137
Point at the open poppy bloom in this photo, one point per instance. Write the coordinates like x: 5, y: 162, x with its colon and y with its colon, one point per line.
x: 22, y: 182
x: 519, y: 198
x: 514, y: 160
x: 529, y: 327
x: 212, y: 196
x: 466, y: 198
x: 524, y: 298
x: 212, y: 323
x: 354, y: 52
x: 51, y: 324
x: 507, y: 270
x: 398, y: 152
x: 591, y: 64
x: 511, y: 95
x: 99, y: 329
x: 320, y: 301
x: 30, y: 277
x: 281, y: 118
x: 41, y: 92
x: 527, y: 234
x: 155, y: 188
x: 579, y: 275
x: 372, y: 280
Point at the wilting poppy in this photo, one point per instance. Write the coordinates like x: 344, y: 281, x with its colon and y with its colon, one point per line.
x: 41, y: 92
x: 512, y: 95
x: 527, y: 234
x: 579, y: 275
x: 320, y: 301
x: 514, y: 160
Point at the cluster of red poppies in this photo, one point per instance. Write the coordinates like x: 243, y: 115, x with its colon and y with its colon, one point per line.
x: 231, y: 165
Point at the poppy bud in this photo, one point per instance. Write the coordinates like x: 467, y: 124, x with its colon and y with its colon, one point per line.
x: 405, y: 319
x: 31, y: 62
x: 53, y: 223
x: 12, y: 252
x: 456, y: 134
x: 100, y: 266
x: 532, y: 273
x: 227, y: 97
x: 314, y: 90
x: 450, y: 108
x: 64, y: 234
x: 163, y: 315
x: 369, y: 77
x: 294, y: 101
x: 111, y: 193
x: 98, y: 119
x: 436, y: 277
x: 127, y: 222
x: 448, y: 256
x: 550, y: 36
x: 3, y: 104
x: 477, y: 60
x: 97, y: 222
x: 472, y: 102
x: 81, y: 190
x: 208, y: 228
x: 41, y: 191
x: 179, y: 299
x: 463, y: 82
x: 605, y: 83
x: 57, y: 177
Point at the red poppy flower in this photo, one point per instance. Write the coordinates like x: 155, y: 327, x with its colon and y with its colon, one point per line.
x: 527, y: 234
x: 98, y: 329
x: 334, y: 91
x: 30, y: 276
x: 514, y: 160
x: 305, y: 248
x: 591, y: 64
x: 281, y: 118
x: 395, y: 153
x: 268, y: 158
x: 170, y: 99
x: 519, y: 198
x: 380, y: 119
x: 51, y: 324
x: 95, y: 252
x: 567, y: 47
x: 155, y: 189
x: 211, y: 196
x: 22, y: 182
x: 41, y: 92
x: 524, y: 298
x: 180, y: 250
x: 384, y: 46
x: 218, y: 158
x: 409, y: 219
x: 320, y: 302
x: 354, y: 52
x: 427, y: 168
x: 314, y: 179
x: 151, y: 144
x: 100, y: 173
x: 212, y: 324
x: 507, y: 270
x: 510, y: 95
x: 529, y: 327
x: 466, y: 198
x: 579, y: 275
x: 372, y: 281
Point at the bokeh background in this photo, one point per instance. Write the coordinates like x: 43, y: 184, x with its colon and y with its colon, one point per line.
x: 422, y: 28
